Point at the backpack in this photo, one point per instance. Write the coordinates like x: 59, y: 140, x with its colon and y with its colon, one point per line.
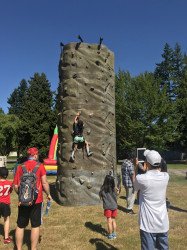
x: 28, y: 192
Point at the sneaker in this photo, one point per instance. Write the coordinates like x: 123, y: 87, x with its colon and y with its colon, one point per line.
x: 89, y: 154
x: 130, y: 211
x: 7, y: 241
x: 72, y: 159
x: 110, y: 237
x: 114, y: 235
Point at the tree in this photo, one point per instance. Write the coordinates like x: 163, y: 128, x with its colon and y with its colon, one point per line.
x: 1, y: 111
x: 121, y: 80
x: 17, y: 99
x: 169, y: 71
x: 182, y: 107
x: 172, y: 73
x: 9, y: 127
x: 144, y: 113
x: 38, y: 118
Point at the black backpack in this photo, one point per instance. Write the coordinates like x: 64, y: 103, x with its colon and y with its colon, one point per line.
x: 28, y: 191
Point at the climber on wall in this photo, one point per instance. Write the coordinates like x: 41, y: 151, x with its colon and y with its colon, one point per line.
x: 78, y: 138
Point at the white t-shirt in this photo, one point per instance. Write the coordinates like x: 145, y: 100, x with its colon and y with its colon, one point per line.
x: 153, y: 216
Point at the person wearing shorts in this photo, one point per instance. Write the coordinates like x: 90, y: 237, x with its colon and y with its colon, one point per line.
x: 108, y: 194
x: 5, y: 211
x: 31, y: 213
x: 78, y: 138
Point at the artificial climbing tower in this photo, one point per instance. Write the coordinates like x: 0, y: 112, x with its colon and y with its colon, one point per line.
x: 87, y: 85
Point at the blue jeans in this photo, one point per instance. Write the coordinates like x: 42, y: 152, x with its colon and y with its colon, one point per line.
x: 151, y: 241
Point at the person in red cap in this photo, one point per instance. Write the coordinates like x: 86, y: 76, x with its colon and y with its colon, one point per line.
x: 32, y: 212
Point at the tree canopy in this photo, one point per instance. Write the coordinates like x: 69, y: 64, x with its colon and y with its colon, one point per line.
x: 33, y: 104
x: 144, y: 114
x: 9, y: 127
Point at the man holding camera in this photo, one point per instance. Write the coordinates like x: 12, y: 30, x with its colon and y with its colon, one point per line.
x: 153, y: 216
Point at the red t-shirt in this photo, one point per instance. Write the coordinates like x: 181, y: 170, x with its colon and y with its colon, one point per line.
x: 5, y: 190
x: 30, y: 164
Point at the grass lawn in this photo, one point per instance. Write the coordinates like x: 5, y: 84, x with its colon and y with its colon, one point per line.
x: 84, y: 228
x: 177, y: 166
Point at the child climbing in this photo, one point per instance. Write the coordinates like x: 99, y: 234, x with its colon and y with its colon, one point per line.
x: 108, y: 194
x: 78, y: 138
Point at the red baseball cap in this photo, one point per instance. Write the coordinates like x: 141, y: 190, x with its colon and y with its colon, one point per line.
x: 32, y: 151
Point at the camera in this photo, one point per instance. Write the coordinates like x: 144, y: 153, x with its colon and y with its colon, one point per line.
x: 140, y: 154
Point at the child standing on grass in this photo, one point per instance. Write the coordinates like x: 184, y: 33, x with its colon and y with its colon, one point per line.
x: 108, y: 194
x: 5, y: 190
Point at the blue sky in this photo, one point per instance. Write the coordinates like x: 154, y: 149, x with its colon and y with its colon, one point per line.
x: 135, y: 30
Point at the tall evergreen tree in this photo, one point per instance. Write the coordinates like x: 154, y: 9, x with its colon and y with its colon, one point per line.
x: 169, y: 71
x: 1, y: 111
x: 121, y: 80
x: 38, y: 117
x: 182, y: 107
x: 17, y: 99
x: 172, y: 73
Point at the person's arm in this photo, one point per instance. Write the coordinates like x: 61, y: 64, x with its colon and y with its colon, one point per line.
x: 132, y: 177
x: 45, y: 186
x: 100, y: 194
x: 132, y: 173
x: 16, y: 179
x: 76, y: 117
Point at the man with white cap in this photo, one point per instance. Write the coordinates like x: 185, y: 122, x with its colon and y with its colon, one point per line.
x: 153, y: 216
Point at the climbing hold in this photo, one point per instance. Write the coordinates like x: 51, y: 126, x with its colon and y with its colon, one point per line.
x: 103, y: 153
x: 88, y: 132
x: 89, y: 186
x: 73, y: 175
x: 75, y: 76
x: 97, y: 63
x: 81, y: 181
x: 92, y: 88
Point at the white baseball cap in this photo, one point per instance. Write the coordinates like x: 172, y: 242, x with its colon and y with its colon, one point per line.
x: 153, y: 157
x: 146, y: 152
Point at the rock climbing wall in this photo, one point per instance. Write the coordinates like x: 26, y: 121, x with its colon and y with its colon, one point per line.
x: 86, y: 73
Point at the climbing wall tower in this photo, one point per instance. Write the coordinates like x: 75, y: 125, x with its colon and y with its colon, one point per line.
x: 87, y: 85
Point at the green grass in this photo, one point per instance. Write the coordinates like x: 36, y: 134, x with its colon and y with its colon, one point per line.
x: 10, y: 166
x: 82, y: 228
x: 177, y: 179
x: 177, y: 166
